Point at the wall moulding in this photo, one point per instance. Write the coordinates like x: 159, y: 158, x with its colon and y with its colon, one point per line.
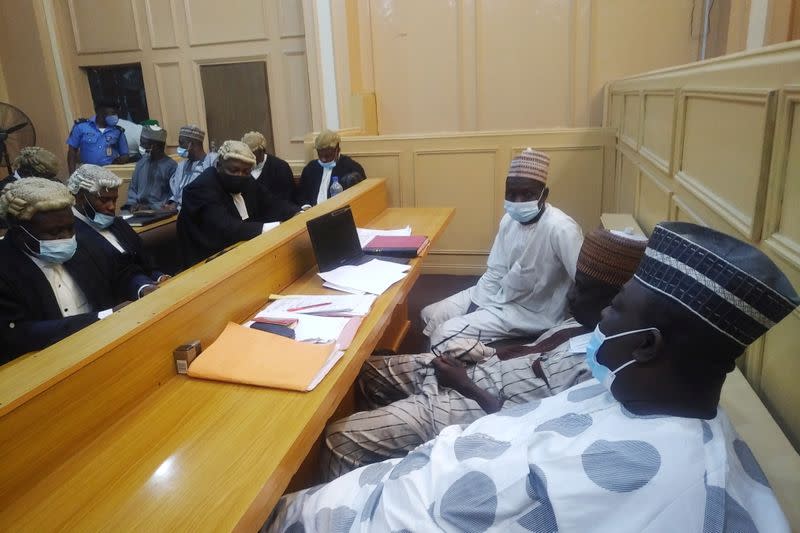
x: 781, y: 219
x: 698, y: 142
x: 662, y: 162
x: 85, y: 36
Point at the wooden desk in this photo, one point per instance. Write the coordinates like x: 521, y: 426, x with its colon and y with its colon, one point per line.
x: 174, y: 453
x: 144, y: 229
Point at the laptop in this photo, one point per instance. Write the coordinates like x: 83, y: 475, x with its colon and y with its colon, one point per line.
x: 335, y: 241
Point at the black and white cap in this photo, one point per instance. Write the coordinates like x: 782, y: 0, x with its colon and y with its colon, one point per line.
x: 729, y: 284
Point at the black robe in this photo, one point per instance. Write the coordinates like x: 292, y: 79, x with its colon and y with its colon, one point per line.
x: 30, y: 318
x: 208, y: 221
x: 311, y: 178
x: 277, y: 178
x: 130, y: 242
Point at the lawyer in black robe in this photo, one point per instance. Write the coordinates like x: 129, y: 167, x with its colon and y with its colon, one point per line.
x: 209, y: 221
x: 277, y: 178
x: 311, y: 177
x: 129, y: 240
x: 30, y: 318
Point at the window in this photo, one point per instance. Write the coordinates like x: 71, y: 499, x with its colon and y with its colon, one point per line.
x: 122, y: 84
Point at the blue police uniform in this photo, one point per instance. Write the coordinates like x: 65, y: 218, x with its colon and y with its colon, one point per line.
x: 96, y: 147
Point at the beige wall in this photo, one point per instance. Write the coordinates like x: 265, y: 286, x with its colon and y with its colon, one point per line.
x: 464, y: 65
x: 173, y: 38
x: 468, y: 172
x: 718, y: 144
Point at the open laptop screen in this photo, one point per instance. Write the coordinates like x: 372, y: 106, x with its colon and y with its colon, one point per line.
x: 334, y: 239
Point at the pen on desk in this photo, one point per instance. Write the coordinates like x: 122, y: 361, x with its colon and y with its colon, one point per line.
x: 295, y: 309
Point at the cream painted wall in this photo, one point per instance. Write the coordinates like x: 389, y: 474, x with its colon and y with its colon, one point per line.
x: 172, y: 39
x: 486, y: 65
x: 718, y: 144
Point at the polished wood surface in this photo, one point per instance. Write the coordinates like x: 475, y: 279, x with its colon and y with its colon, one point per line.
x: 129, y: 445
x: 144, y: 229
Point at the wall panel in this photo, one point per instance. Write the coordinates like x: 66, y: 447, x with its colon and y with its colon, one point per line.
x: 291, y: 18
x: 383, y: 165
x: 104, y: 26
x: 212, y: 22
x: 631, y: 119
x: 658, y: 128
x: 438, y: 173
x: 161, y: 23
x: 627, y: 184
x: 504, y: 85
x: 295, y: 82
x: 170, y: 92
x: 653, y: 203
x: 733, y: 126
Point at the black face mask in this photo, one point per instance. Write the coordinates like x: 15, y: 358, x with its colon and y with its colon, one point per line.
x: 233, y: 184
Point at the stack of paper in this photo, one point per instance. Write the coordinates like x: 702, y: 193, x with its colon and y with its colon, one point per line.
x: 366, y: 234
x: 372, y: 277
x: 317, y: 329
x: 244, y: 355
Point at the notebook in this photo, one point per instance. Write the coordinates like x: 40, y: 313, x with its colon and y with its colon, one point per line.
x: 252, y: 357
x: 397, y: 246
x: 335, y: 241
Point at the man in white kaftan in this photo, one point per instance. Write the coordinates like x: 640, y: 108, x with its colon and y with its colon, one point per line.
x: 530, y: 269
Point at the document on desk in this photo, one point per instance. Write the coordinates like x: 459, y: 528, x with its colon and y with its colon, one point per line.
x: 322, y: 304
x: 366, y: 234
x: 252, y: 357
x: 318, y: 329
x: 373, y: 277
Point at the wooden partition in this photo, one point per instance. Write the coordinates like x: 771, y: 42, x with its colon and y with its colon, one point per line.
x: 717, y: 143
x: 55, y: 402
x: 468, y: 172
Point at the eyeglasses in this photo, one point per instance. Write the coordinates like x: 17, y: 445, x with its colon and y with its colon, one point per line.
x: 437, y: 352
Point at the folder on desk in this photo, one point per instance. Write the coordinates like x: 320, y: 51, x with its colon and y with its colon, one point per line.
x: 252, y: 357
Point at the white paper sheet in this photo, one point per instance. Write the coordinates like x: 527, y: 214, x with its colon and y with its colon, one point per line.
x: 374, y: 277
x: 366, y: 234
x: 311, y: 328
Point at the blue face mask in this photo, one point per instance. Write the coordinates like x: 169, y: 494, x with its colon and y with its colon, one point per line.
x: 98, y: 220
x: 183, y: 152
x: 54, y: 251
x: 327, y: 166
x: 523, y: 212
x: 602, y: 373
x: 112, y: 120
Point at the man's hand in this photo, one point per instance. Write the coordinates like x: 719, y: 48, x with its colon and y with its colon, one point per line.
x: 170, y: 206
x: 147, y: 289
x: 451, y: 373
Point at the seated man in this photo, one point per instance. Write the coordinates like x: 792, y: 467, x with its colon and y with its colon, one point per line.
x: 193, y: 163
x: 643, y: 447
x: 52, y: 284
x: 413, y: 397
x: 271, y: 172
x: 317, y: 176
x: 96, y: 190
x: 530, y: 269
x: 224, y: 205
x: 149, y: 187
x: 31, y: 161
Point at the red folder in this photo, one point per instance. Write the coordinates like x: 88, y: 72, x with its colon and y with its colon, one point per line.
x: 398, y: 246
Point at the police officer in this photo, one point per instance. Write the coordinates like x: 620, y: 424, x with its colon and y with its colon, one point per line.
x: 99, y: 139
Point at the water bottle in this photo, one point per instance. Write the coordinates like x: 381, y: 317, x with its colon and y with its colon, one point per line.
x: 335, y: 187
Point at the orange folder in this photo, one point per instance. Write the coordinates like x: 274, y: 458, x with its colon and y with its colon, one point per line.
x: 245, y: 355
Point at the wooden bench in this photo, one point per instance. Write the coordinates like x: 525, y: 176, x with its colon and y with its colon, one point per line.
x: 99, y: 432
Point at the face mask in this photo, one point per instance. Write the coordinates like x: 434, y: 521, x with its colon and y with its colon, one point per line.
x: 112, y: 120
x: 54, y: 251
x: 602, y: 373
x: 327, y: 166
x: 233, y: 184
x: 99, y: 220
x: 183, y: 152
x: 523, y: 212
x: 144, y: 151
